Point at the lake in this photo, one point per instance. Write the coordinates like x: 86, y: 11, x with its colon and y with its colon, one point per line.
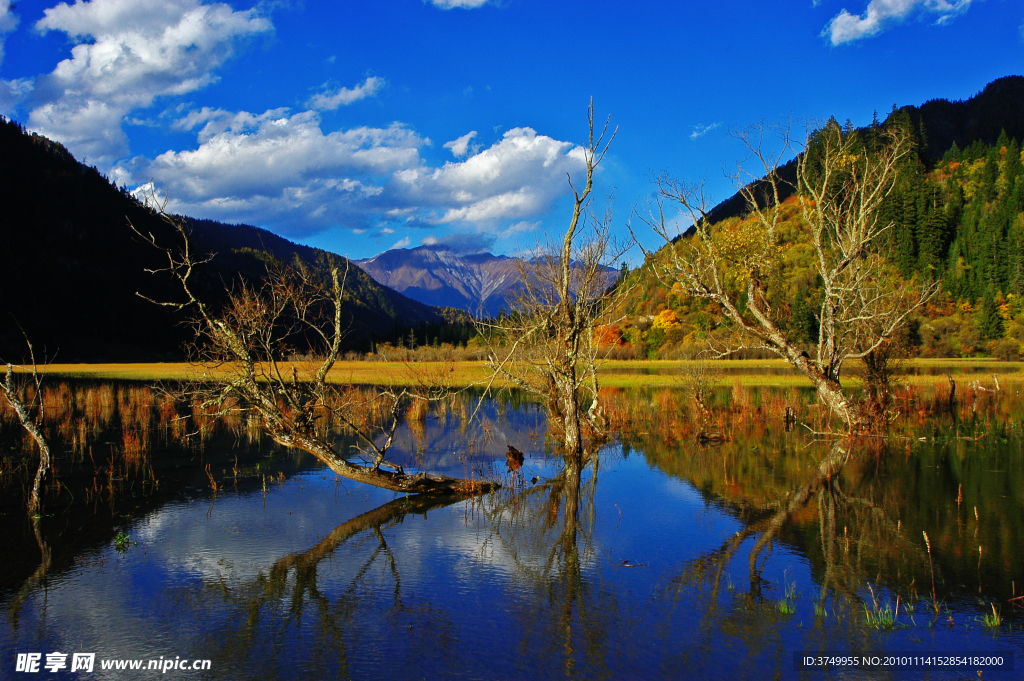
x: 744, y: 559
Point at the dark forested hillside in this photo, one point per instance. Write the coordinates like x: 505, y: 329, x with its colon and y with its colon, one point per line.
x: 938, y: 124
x: 983, y: 118
x: 71, y: 266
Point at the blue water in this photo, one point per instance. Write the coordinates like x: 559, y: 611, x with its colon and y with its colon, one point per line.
x: 483, y: 588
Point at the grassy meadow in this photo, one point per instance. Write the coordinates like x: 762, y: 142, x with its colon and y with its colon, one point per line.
x: 613, y: 373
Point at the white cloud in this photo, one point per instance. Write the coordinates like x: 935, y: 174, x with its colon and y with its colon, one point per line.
x: 216, y: 121
x: 402, y: 243
x: 194, y: 118
x: 460, y: 146
x: 282, y: 171
x: 519, y: 177
x: 462, y: 242
x: 8, y: 22
x: 329, y: 101
x: 129, y: 52
x: 462, y: 4
x: 387, y: 230
x: 12, y: 92
x: 880, y: 14
x: 520, y: 227
x: 276, y: 169
x: 701, y: 130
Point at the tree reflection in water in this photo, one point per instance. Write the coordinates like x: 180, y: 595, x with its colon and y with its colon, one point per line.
x: 268, y: 615
x: 38, y: 577
x: 563, y: 616
x: 548, y: 530
x: 529, y: 581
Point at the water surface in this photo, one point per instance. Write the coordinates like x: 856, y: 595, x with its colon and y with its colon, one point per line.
x: 680, y: 561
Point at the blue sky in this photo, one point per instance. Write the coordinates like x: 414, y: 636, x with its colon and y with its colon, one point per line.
x: 362, y: 126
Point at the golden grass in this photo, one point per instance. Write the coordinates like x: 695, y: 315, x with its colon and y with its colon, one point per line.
x: 616, y: 374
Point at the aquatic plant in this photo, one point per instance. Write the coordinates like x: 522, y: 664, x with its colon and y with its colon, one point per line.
x: 881, y: 618
x: 992, y: 621
x: 787, y: 605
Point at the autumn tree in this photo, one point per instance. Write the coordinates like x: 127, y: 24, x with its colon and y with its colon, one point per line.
x: 840, y: 186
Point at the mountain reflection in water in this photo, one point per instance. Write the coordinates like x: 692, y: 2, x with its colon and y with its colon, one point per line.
x: 662, y: 560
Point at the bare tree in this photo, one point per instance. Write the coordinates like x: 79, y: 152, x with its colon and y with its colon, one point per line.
x: 547, y: 345
x: 29, y: 409
x: 840, y: 186
x: 244, y: 348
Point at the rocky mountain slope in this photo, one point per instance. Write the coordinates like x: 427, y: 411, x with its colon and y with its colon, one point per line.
x: 479, y: 283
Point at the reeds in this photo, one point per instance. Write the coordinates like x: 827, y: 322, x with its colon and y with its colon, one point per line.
x: 106, y: 433
x: 881, y: 618
x: 787, y: 604
x: 993, y: 621
x: 928, y: 544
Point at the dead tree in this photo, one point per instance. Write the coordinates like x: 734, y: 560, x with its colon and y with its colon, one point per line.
x: 243, y: 347
x: 30, y: 414
x: 546, y: 346
x: 840, y: 186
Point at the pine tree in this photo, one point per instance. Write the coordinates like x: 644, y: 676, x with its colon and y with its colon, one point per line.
x: 906, y: 228
x: 1002, y: 140
x: 1012, y: 168
x: 932, y: 234
x: 990, y: 323
x: 1015, y: 273
x: 952, y: 154
x: 987, y: 189
x: 803, y: 323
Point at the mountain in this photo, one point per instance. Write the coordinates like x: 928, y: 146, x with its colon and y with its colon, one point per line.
x: 479, y: 283
x: 996, y: 109
x: 71, y: 265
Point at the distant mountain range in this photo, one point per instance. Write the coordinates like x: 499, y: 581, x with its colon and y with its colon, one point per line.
x: 71, y: 266
x: 479, y: 283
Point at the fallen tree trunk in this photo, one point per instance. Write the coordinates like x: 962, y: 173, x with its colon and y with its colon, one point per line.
x: 397, y: 480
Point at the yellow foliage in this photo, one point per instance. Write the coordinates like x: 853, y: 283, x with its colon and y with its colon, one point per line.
x: 748, y: 245
x: 847, y: 160
x: 666, y: 319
